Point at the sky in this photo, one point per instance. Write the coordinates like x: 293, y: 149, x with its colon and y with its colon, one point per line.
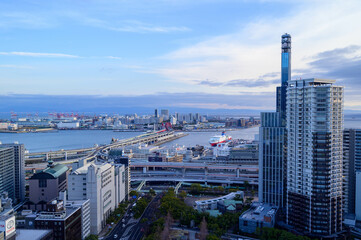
x: 204, y: 54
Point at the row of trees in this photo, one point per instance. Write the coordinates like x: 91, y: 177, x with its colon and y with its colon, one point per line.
x: 189, y: 217
x: 118, y: 213
x: 140, y: 207
x: 277, y: 234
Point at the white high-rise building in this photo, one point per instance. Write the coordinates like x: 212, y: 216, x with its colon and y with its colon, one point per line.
x: 104, y: 185
x: 314, y: 156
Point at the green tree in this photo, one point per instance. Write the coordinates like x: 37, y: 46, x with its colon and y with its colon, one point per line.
x: 213, y: 237
x: 182, y: 195
x: 246, y: 185
x: 196, y: 188
x: 152, y: 192
x: 92, y: 237
x: 134, y: 193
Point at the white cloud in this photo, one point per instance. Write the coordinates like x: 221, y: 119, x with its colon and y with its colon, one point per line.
x: 255, y: 49
x: 112, y: 57
x: 33, y: 54
x: 127, y: 25
x: 15, y: 66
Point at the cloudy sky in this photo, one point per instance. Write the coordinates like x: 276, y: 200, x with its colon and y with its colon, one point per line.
x: 182, y: 53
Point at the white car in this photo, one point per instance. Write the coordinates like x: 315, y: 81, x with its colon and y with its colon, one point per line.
x: 115, y: 235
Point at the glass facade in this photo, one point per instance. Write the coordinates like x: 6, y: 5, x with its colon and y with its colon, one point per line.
x: 271, y: 163
x: 272, y: 133
x: 285, y: 70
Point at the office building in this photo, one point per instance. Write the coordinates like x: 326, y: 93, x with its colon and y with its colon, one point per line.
x: 351, y: 164
x: 272, y: 139
x: 66, y: 222
x: 19, y: 170
x: 118, y: 160
x: 103, y: 184
x: 156, y: 113
x: 314, y: 156
x: 7, y: 170
x: 272, y: 159
x: 84, y: 206
x: 164, y: 112
x: 46, y: 185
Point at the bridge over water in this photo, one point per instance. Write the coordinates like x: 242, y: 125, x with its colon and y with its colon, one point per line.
x: 154, y: 138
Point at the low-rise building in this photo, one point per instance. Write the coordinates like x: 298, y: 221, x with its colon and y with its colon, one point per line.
x: 46, y: 185
x: 7, y: 227
x: 68, y: 125
x: 7, y: 218
x: 258, y: 216
x: 66, y: 222
x: 213, y: 204
x: 244, y: 154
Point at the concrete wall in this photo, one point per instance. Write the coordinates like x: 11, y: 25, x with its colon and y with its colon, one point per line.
x: 37, y: 194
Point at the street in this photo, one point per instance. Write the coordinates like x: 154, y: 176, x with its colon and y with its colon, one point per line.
x: 133, y: 228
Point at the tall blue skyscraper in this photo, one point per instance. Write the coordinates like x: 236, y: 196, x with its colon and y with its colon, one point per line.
x: 285, y: 74
x: 286, y: 59
x: 272, y: 133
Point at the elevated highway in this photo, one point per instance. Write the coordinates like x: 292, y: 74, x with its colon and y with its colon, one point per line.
x: 194, y: 179
x: 155, y: 138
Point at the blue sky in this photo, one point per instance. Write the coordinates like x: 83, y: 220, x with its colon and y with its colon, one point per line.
x: 187, y: 48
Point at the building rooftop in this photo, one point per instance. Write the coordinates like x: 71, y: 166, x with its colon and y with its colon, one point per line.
x: 313, y: 81
x: 226, y: 197
x: 98, y: 165
x: 52, y: 172
x: 33, y: 234
x: 56, y: 216
x: 259, y: 212
x: 214, y: 213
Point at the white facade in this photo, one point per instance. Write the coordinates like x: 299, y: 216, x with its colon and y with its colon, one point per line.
x: 85, y: 215
x: 68, y: 125
x: 101, y: 183
x: 7, y: 126
x: 221, y: 150
x: 314, y: 155
x: 358, y: 196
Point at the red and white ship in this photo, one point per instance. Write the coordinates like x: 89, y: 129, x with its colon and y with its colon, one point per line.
x: 219, y: 139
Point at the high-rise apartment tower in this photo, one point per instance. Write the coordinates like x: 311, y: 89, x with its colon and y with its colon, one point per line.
x: 314, y: 156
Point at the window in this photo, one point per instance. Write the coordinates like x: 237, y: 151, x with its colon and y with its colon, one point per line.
x: 42, y: 183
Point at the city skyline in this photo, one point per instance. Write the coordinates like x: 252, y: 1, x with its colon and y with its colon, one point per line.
x: 207, y: 54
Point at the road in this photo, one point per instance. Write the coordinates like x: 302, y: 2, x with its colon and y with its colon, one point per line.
x: 134, y: 228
